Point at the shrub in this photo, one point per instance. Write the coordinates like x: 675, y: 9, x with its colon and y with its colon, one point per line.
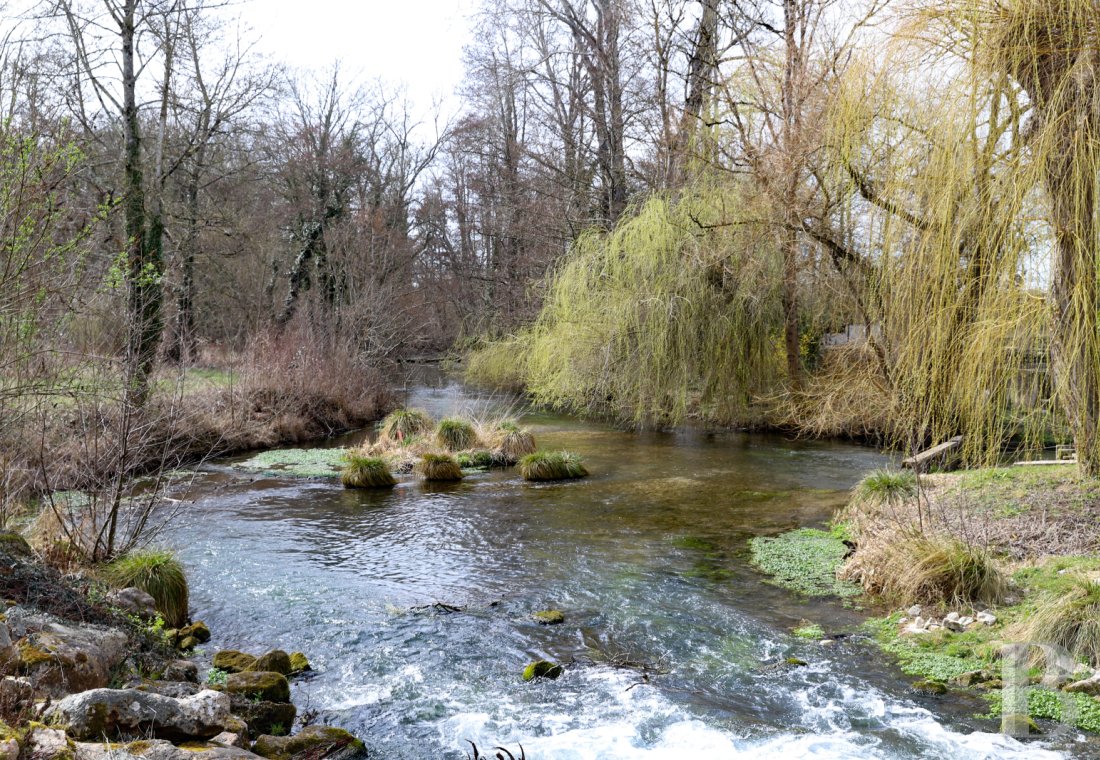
x: 366, y: 472
x: 403, y: 424
x: 160, y: 575
x: 885, y: 487
x: 1070, y: 620
x: 438, y: 467
x: 556, y: 465
x: 455, y: 434
x: 914, y: 568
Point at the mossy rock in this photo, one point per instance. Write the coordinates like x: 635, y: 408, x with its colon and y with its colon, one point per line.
x: 275, y: 661
x: 299, y: 663
x: 262, y: 685
x: 187, y: 643
x: 263, y: 717
x: 549, y: 617
x: 199, y: 630
x: 232, y: 661
x: 1019, y: 724
x: 318, y: 741
x: 541, y: 669
x: 930, y: 686
x: 31, y: 655
x: 14, y: 544
x: 794, y: 662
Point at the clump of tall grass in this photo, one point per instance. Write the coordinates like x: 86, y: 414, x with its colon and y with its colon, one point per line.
x: 552, y: 465
x: 1070, y: 620
x: 885, y: 487
x: 160, y: 574
x: 511, y: 442
x: 403, y: 424
x: 912, y: 568
x: 455, y: 434
x: 366, y: 472
x: 438, y: 467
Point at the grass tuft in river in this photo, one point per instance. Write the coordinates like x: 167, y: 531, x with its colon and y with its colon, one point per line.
x: 552, y: 465
x: 438, y: 467
x: 366, y: 472
x: 455, y: 434
x: 159, y: 574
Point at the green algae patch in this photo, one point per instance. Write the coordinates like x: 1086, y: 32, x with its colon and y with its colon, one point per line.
x: 804, y: 560
x: 297, y: 463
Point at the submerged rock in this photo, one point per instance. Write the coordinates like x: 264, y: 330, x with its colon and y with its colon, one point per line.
x: 541, y: 669
x: 549, y: 617
x: 129, y: 712
x: 261, y: 685
x: 319, y: 741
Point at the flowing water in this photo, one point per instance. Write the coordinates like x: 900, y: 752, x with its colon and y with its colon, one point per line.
x: 673, y: 645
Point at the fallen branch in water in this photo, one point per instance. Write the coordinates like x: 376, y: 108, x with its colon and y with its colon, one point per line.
x: 502, y: 754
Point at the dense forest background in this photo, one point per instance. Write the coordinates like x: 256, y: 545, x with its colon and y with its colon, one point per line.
x: 853, y: 217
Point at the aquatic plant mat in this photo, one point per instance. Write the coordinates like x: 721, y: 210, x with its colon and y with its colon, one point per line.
x: 297, y: 463
x: 805, y: 561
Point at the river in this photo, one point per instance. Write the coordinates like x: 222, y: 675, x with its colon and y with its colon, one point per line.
x: 648, y: 561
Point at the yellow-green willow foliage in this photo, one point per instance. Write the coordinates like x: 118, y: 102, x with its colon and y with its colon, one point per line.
x: 978, y: 187
x: 674, y: 310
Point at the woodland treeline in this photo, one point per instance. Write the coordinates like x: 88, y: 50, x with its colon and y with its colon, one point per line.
x: 653, y: 209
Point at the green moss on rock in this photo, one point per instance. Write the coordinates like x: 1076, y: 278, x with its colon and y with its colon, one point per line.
x: 275, y: 661
x: 199, y: 630
x: 549, y: 617
x: 299, y: 663
x: 316, y: 740
x: 541, y: 669
x: 263, y: 685
x: 232, y: 661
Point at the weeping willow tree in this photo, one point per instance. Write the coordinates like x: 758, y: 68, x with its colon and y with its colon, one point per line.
x: 674, y: 311
x: 978, y: 199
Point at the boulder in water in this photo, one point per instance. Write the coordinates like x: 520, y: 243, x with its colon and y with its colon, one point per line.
x: 541, y: 669
x: 232, y: 661
x: 260, y: 685
x: 319, y: 741
x: 275, y: 661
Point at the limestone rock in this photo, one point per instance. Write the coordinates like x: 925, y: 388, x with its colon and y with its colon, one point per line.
x: 1090, y: 685
x: 229, y: 739
x: 159, y: 749
x: 135, y: 601
x: 9, y: 749
x: 985, y: 617
x: 915, y: 611
x: 319, y: 741
x: 114, y: 712
x: 260, y: 685
x: 62, y: 658
x: 181, y: 670
x: 44, y: 743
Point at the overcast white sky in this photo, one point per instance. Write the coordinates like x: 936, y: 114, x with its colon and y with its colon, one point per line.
x: 417, y: 42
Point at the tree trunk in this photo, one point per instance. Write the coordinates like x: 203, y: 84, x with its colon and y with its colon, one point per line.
x: 143, y: 243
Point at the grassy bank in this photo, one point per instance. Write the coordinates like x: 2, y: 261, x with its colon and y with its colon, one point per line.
x: 959, y: 565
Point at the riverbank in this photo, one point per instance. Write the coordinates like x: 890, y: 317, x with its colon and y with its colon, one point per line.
x: 954, y: 567
x: 89, y: 672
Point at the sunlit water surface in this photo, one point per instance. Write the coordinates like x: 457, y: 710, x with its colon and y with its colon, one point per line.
x: 648, y: 560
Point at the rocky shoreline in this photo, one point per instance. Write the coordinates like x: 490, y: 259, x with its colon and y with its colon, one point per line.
x: 92, y: 676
